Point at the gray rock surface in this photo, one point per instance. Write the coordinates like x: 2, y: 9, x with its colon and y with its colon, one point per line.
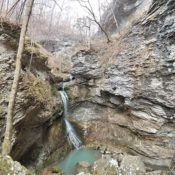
x: 35, y: 103
x: 105, y: 166
x: 132, y: 165
x: 127, y: 92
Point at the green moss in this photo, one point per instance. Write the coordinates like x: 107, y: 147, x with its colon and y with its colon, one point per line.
x: 4, y: 166
x: 10, y: 167
x: 56, y: 170
x: 54, y: 90
x: 1, y: 109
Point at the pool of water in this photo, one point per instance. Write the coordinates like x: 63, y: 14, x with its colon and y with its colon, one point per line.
x: 68, y: 165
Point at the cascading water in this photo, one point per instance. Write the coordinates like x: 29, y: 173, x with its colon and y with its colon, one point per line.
x: 72, y: 135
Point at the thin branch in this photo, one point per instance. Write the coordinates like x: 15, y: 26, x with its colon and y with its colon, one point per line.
x: 13, y: 7
x: 89, y: 8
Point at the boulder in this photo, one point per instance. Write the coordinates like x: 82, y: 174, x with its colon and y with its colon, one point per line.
x: 106, y: 166
x: 83, y: 166
x: 10, y: 167
x: 132, y: 165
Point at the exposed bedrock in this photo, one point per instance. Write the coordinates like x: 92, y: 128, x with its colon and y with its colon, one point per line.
x: 125, y: 92
x: 37, y: 101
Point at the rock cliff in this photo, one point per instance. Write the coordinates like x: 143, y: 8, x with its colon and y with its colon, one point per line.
x: 124, y: 94
x: 37, y: 102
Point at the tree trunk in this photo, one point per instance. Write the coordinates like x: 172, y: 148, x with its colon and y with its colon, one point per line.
x: 105, y: 33
x: 6, y: 147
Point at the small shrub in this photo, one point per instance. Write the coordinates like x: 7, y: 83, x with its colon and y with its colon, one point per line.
x: 37, y: 89
x: 56, y: 170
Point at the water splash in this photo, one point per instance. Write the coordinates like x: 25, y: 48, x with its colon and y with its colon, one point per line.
x: 71, y: 133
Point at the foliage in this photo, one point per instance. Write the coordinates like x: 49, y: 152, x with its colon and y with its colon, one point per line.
x: 54, y: 90
x: 56, y: 170
x: 37, y: 89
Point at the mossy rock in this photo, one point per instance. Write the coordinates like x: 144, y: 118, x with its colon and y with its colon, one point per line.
x: 40, y: 55
x: 37, y: 89
x: 1, y: 109
x: 10, y: 167
x: 54, y: 90
x: 56, y: 170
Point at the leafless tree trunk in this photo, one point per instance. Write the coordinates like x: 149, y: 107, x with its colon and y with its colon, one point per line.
x: 7, y: 7
x: 22, y: 6
x: 113, y: 13
x: 89, y: 36
x: 61, y: 7
x: 99, y: 9
x: 6, y: 147
x: 10, y: 11
x: 51, y: 19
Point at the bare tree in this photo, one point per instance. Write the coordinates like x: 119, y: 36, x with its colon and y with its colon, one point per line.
x: 87, y: 5
x: 11, y: 10
x: 21, y: 9
x: 6, y: 147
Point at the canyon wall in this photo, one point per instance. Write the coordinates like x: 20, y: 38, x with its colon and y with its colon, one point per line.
x: 124, y: 93
x: 38, y: 104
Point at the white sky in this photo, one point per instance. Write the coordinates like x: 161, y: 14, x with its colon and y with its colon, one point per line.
x: 77, y: 11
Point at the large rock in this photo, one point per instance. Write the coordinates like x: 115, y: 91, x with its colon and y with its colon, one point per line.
x: 83, y: 166
x: 86, y: 65
x: 126, y: 12
x: 106, y: 166
x: 132, y: 165
x: 36, y: 103
x: 10, y: 167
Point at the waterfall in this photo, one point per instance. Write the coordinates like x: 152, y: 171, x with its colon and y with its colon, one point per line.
x: 72, y: 135
x: 65, y: 102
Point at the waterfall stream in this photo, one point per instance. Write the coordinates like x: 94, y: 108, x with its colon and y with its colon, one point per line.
x: 72, y: 135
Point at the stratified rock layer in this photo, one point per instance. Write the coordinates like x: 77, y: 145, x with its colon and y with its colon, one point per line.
x: 36, y: 102
x: 127, y: 93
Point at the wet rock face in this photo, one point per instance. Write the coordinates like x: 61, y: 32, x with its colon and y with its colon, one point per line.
x: 35, y: 103
x: 132, y: 102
